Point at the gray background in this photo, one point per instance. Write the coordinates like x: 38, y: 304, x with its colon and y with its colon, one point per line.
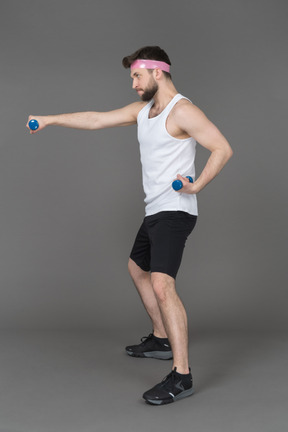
x: 72, y: 201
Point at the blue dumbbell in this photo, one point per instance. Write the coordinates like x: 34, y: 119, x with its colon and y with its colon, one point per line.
x: 177, y: 184
x: 33, y: 124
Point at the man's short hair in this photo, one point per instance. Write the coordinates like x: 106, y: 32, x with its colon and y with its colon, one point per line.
x: 148, y: 53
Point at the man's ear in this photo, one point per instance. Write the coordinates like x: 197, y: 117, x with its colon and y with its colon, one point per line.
x: 157, y: 73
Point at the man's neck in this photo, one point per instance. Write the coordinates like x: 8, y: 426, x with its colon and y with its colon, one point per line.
x: 164, y: 95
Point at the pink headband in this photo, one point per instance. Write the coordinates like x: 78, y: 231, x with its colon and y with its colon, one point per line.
x: 150, y: 64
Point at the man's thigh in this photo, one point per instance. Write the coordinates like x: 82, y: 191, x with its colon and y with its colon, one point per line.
x: 141, y: 253
x: 168, y: 234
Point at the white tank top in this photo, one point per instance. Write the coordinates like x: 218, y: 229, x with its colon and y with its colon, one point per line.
x: 162, y: 158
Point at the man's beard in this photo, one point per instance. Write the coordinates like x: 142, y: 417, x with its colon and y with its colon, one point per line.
x: 149, y: 92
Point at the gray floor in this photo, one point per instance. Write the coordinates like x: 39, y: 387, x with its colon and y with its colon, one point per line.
x: 84, y: 382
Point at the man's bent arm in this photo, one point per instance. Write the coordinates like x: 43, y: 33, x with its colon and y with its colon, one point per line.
x: 91, y: 120
x: 194, y: 122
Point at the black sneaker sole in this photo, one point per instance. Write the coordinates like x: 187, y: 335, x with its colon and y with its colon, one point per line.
x: 181, y: 395
x: 160, y: 355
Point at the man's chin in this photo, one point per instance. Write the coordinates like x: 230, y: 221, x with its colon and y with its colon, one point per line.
x: 146, y: 98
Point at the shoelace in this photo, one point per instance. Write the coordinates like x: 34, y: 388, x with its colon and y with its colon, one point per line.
x: 145, y: 338
x: 169, y: 381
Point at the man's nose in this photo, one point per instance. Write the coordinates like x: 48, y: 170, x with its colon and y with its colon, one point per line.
x: 135, y: 84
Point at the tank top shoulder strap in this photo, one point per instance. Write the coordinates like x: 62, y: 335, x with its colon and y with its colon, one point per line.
x: 144, y: 110
x: 172, y: 103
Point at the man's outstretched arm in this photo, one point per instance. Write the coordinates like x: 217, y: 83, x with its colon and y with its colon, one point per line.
x: 91, y: 120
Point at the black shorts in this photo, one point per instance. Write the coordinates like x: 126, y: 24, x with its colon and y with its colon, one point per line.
x: 160, y: 241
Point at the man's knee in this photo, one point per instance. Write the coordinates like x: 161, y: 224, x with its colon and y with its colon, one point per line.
x: 163, y: 285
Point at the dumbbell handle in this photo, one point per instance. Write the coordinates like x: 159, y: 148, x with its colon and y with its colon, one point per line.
x: 177, y: 184
x: 33, y: 124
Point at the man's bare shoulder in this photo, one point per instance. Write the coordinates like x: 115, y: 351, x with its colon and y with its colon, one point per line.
x: 185, y: 110
x: 184, y: 106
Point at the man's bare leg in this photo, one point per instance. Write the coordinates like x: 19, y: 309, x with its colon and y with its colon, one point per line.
x: 174, y: 318
x: 142, y: 281
x: 167, y: 313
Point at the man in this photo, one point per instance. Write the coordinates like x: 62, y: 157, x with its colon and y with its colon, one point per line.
x: 168, y: 127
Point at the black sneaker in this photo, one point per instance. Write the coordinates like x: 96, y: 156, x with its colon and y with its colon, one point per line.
x: 173, y: 387
x: 151, y: 346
